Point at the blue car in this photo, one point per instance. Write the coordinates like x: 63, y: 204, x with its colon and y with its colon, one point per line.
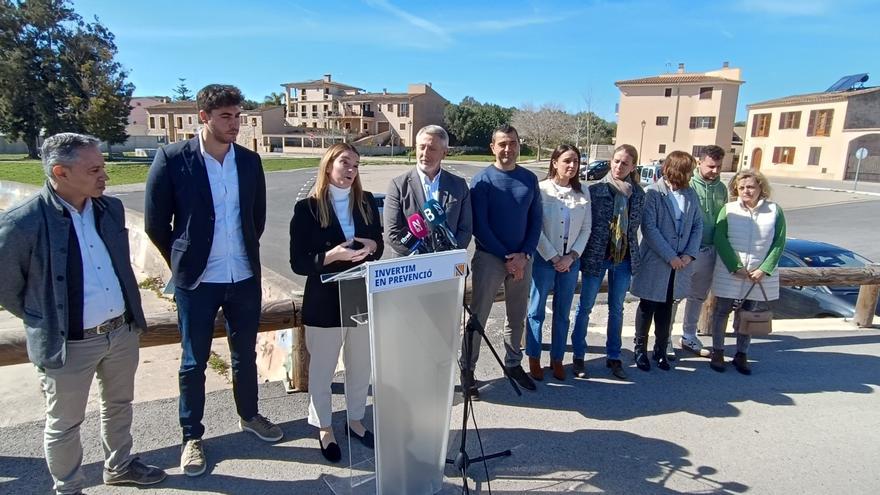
x: 817, y: 301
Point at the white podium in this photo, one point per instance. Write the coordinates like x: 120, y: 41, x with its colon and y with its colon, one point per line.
x: 413, y: 308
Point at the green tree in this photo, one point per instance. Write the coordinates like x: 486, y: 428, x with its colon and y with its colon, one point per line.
x: 470, y: 123
x: 181, y: 91
x: 57, y: 73
x: 273, y: 99
x: 249, y: 105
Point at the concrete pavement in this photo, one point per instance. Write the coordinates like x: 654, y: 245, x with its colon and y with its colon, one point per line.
x: 805, y: 422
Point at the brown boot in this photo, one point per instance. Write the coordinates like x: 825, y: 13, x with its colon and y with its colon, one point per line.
x: 717, y: 362
x: 535, y: 368
x: 558, y: 370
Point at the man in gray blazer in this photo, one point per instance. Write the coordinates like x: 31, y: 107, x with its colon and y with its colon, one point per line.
x: 67, y: 276
x: 408, y: 193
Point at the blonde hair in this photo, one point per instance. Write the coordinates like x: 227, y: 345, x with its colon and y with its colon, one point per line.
x: 634, y: 154
x: 745, y: 174
x: 322, y: 187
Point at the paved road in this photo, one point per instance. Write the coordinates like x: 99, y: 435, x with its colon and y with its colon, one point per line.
x: 805, y: 422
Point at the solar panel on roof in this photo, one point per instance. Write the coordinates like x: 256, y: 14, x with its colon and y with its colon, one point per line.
x: 847, y: 82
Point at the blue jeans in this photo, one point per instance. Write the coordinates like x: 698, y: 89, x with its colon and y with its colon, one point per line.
x: 544, y: 278
x: 619, y: 277
x: 196, y: 311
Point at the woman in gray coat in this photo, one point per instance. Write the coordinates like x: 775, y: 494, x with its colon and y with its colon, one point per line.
x: 672, y: 227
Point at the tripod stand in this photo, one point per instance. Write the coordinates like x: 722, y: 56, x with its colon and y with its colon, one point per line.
x: 462, y: 461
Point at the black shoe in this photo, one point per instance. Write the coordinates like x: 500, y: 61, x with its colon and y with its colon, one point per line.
x: 519, y: 374
x: 331, y: 452
x: 366, y: 440
x: 616, y: 368
x: 578, y: 369
x: 469, y: 384
x: 662, y: 360
x: 642, y: 361
x: 741, y: 363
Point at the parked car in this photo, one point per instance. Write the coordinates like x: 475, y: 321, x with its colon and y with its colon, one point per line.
x: 650, y: 173
x: 595, y: 170
x: 818, y: 301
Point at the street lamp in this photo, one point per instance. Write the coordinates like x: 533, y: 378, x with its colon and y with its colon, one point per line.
x: 642, y: 138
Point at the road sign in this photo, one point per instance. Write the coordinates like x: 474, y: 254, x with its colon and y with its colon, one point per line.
x: 861, y: 154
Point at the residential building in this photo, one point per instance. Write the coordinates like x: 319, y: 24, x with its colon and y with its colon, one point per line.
x: 678, y: 111
x: 138, y: 118
x: 179, y: 121
x: 259, y: 128
x: 331, y: 108
x: 815, y: 135
x: 174, y: 121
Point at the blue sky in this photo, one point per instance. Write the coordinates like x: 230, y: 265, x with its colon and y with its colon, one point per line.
x: 511, y: 52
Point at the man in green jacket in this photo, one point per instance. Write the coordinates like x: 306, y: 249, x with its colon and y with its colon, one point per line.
x: 713, y: 196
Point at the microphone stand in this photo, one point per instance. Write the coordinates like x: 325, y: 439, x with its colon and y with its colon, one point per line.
x: 462, y: 460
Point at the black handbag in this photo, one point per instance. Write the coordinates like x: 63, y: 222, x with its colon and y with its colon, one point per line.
x: 754, y: 317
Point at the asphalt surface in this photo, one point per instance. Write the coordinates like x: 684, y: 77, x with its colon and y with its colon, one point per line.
x: 805, y: 422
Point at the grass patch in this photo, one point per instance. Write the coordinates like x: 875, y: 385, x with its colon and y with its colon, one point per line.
x: 31, y: 171
x: 276, y: 164
x: 154, y: 284
x: 485, y: 158
x: 216, y: 363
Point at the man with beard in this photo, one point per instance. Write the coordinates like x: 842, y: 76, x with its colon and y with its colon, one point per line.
x: 507, y: 225
x: 713, y: 196
x: 205, y: 212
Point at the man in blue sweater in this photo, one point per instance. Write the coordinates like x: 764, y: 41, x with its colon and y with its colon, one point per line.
x: 506, y: 206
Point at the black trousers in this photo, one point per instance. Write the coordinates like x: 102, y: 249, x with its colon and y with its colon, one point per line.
x: 661, y: 313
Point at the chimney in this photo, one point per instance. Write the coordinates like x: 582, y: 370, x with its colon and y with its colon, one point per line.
x: 326, y: 77
x: 429, y: 84
x: 384, y: 91
x: 681, y: 68
x: 725, y: 65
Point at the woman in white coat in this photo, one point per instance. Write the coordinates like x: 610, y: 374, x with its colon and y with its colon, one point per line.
x: 564, y: 234
x: 749, y: 238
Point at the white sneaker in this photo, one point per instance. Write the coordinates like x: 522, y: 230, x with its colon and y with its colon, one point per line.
x: 693, y: 344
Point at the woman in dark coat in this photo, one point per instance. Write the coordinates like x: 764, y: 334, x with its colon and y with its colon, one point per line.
x: 336, y: 228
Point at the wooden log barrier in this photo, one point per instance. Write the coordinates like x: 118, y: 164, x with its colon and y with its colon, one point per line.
x: 283, y: 314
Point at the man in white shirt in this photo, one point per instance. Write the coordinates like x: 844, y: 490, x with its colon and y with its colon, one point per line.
x: 205, y: 212
x: 67, y: 276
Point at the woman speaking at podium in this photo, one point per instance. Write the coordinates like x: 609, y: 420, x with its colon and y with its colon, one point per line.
x: 336, y: 228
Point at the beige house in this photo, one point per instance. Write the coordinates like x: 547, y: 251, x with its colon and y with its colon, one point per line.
x: 173, y: 122
x: 327, y: 107
x: 179, y: 121
x: 138, y: 118
x: 679, y: 111
x: 815, y: 135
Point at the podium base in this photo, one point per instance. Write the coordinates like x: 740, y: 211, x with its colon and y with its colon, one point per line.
x: 362, y: 481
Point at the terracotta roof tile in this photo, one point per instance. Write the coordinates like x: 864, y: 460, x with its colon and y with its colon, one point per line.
x: 809, y: 98
x: 676, y: 79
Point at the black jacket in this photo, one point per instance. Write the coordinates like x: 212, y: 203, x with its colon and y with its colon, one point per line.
x: 308, y: 245
x: 179, y: 209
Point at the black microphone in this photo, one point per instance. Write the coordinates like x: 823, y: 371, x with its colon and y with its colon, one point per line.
x: 436, y: 217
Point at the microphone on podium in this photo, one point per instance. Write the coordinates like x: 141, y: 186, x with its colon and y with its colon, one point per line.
x: 418, y: 230
x: 436, y: 217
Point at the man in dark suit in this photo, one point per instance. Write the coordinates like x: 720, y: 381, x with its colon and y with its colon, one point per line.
x: 408, y: 192
x: 205, y: 212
